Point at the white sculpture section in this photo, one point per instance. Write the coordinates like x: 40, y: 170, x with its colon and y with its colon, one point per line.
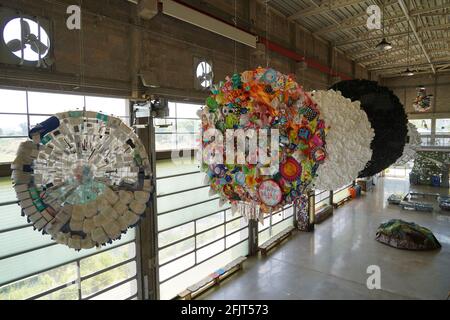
x: 84, y: 178
x: 348, y: 140
x: 410, y: 150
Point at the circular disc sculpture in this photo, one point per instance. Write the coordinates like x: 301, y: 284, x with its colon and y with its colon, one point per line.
x: 254, y: 100
x: 387, y: 117
x: 84, y: 178
x: 413, y: 143
x: 348, y: 140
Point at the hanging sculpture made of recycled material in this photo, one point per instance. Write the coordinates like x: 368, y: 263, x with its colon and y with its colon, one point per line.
x: 251, y: 101
x: 83, y: 177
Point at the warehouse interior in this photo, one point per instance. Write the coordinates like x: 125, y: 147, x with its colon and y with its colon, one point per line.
x: 150, y: 65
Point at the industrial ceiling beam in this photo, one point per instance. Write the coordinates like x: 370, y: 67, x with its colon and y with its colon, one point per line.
x: 403, y: 66
x: 421, y: 11
x: 350, y: 23
x: 381, y: 56
x: 367, y: 60
x: 325, y: 6
x: 369, y: 52
x: 330, y: 17
x: 413, y: 28
x: 367, y: 37
x: 417, y: 60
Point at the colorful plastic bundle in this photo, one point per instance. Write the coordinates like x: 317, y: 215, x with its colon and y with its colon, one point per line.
x: 422, y: 102
x: 254, y: 100
x: 84, y: 178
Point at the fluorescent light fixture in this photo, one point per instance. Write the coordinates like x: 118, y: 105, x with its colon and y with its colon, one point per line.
x: 204, y: 21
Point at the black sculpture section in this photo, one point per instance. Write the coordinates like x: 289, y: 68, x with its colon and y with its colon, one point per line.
x: 387, y: 117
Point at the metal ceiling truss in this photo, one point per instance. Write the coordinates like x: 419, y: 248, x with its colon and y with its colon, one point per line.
x: 429, y: 24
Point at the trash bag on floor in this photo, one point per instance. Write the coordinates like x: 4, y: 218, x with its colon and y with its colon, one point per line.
x: 406, y: 235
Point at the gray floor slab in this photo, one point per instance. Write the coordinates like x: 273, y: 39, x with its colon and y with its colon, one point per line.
x: 331, y: 263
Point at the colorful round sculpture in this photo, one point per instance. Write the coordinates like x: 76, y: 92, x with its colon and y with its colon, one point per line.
x: 254, y: 100
x: 84, y: 178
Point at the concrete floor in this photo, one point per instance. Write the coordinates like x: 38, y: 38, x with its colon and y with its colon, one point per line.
x: 331, y: 263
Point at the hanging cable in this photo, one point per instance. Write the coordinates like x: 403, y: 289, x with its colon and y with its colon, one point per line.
x: 81, y: 40
x: 235, y: 42
x: 304, y: 58
x: 267, y: 34
x: 382, y: 16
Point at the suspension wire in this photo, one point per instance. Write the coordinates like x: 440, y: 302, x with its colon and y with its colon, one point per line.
x: 235, y: 42
x: 304, y: 58
x: 82, y: 82
x: 267, y: 34
x: 81, y: 39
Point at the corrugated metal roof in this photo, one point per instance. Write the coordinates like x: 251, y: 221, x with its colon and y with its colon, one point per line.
x: 343, y: 23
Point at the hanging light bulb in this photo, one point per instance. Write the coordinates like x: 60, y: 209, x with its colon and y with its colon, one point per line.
x: 408, y: 72
x: 384, y: 45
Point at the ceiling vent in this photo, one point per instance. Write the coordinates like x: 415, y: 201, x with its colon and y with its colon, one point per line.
x: 25, y: 40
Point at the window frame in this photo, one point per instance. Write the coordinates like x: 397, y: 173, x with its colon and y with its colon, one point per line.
x: 5, y: 171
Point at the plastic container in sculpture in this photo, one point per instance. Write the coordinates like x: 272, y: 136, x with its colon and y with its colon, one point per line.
x: 242, y: 106
x: 84, y: 178
x: 410, y: 149
x: 348, y: 140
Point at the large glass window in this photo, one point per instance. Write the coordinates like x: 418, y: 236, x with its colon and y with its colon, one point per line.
x: 179, y: 131
x: 32, y: 266
x: 17, y: 116
x: 275, y: 223
x: 422, y: 125
x: 442, y: 137
x: 443, y: 126
x: 424, y: 128
x: 196, y: 236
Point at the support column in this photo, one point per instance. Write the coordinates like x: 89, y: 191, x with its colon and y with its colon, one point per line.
x: 147, y: 232
x: 433, y: 120
x: 135, y: 57
x: 305, y: 212
x: 252, y: 237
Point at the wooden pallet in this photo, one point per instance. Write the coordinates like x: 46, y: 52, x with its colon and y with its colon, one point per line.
x: 276, y: 240
x: 212, y: 280
x: 323, y: 214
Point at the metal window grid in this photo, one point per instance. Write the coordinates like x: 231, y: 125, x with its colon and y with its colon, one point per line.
x: 80, y: 279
